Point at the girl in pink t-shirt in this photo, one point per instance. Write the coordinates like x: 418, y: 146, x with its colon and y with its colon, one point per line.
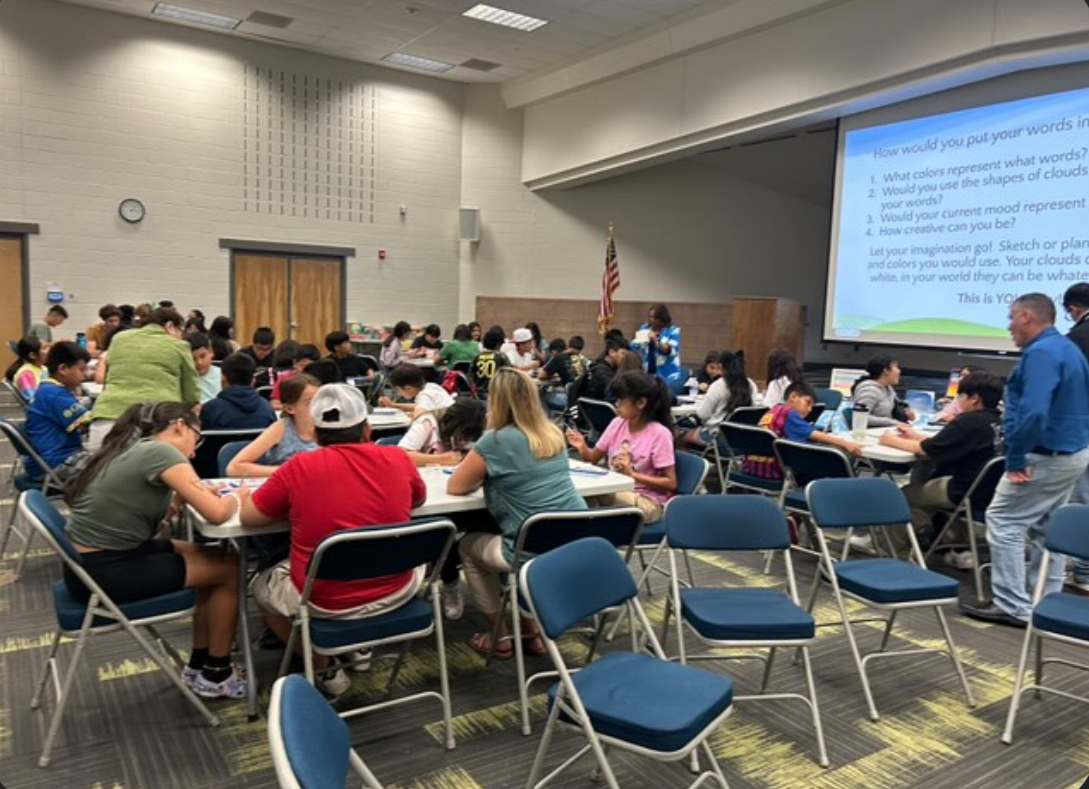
x: 638, y: 442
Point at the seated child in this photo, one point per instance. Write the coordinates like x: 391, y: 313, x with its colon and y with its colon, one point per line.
x: 410, y: 384
x: 56, y: 421
x: 283, y: 363
x: 787, y: 420
x: 443, y: 437
x: 237, y: 406
x: 710, y: 372
x: 488, y: 361
x: 343, y: 354
x: 305, y: 356
x: 579, y: 363
x: 26, y: 372
x: 560, y: 370
x: 429, y: 341
x: 211, y: 379
x: 292, y: 434
x: 463, y: 348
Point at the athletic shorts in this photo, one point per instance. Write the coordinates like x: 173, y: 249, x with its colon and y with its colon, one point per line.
x: 149, y: 570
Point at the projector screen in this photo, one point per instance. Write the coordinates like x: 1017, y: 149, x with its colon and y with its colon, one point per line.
x: 940, y: 221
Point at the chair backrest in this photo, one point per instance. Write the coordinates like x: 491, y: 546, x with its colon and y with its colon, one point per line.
x: 462, y: 385
x: 206, y: 459
x: 858, y: 502
x: 815, y: 413
x: 15, y: 393
x: 678, y: 385
x: 747, y: 415
x: 807, y: 462
x: 547, y: 531
x: 462, y: 367
x: 377, y: 387
x: 311, y: 745
x: 227, y: 453
x: 379, y: 551
x: 1067, y: 531
x: 370, y: 364
x: 830, y: 398
x: 747, y: 440
x: 21, y: 444
x: 726, y: 523
x: 265, y: 391
x: 389, y: 441
x: 691, y: 471
x: 574, y: 582
x: 40, y: 513
x: 598, y: 413
x: 983, y: 486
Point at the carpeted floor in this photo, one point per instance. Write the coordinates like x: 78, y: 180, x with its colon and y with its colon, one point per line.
x: 127, y: 728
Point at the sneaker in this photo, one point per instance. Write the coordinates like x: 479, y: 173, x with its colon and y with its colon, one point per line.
x: 863, y: 543
x: 961, y: 560
x: 358, y: 661
x: 233, y: 687
x: 189, y: 676
x: 453, y: 602
x: 333, y: 681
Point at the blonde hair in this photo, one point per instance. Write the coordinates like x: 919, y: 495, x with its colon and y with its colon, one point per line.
x: 513, y: 400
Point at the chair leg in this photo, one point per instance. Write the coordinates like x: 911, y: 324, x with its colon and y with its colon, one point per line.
x: 520, y: 667
x: 1018, y: 687
x: 49, y: 667
x: 398, y: 664
x: 688, y: 568
x: 26, y: 551
x: 769, y: 558
x: 444, y: 673
x: 1039, y: 678
x: 888, y: 631
x: 767, y: 671
x: 858, y: 660
x: 822, y: 753
x: 542, y: 749
x: 977, y: 571
x: 955, y: 657
x: 65, y: 692
x: 715, y: 767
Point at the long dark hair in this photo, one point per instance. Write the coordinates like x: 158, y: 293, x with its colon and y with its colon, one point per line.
x: 31, y: 344
x: 874, y: 368
x: 782, y: 363
x: 138, y: 422
x: 462, y: 423
x: 635, y: 384
x: 737, y: 380
x: 219, y: 334
x: 400, y: 331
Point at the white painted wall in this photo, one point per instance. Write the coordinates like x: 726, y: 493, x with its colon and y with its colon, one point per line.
x: 96, y: 107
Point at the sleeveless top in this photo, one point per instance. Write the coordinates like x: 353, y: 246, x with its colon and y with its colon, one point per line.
x: 290, y: 445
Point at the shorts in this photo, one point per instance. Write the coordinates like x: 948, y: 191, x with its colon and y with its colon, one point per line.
x: 273, y: 590
x: 149, y: 570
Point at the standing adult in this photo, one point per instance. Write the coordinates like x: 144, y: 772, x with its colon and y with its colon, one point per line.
x: 151, y: 364
x: 53, y: 318
x: 1076, y: 304
x: 659, y: 342
x: 1047, y: 431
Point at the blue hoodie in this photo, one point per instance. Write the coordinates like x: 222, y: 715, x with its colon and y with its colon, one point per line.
x: 237, y: 408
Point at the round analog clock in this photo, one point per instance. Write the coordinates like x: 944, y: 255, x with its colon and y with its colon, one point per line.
x: 131, y: 210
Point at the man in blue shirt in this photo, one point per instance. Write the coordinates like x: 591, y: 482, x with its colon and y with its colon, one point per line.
x: 56, y: 420
x: 1047, y: 431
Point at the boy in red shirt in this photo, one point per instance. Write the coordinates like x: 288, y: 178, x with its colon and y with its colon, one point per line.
x: 347, y: 483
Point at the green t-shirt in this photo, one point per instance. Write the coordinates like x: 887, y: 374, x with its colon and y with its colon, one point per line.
x: 455, y: 351
x: 147, y: 365
x: 124, y: 506
x: 42, y: 331
x: 519, y: 484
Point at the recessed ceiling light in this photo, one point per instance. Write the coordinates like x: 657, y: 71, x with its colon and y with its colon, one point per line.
x: 500, y: 16
x: 411, y: 61
x: 196, y: 17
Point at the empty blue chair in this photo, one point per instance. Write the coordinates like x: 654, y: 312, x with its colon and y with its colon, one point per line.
x: 311, y: 746
x: 377, y: 552
x: 739, y: 617
x: 389, y: 441
x: 1059, y: 616
x: 227, y: 453
x: 99, y: 615
x: 632, y: 701
x: 885, y: 584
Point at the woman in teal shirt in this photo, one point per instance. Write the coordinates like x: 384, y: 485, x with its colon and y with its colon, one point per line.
x: 521, y: 462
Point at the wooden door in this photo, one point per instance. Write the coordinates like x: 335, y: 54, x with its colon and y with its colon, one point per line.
x: 260, y: 296
x: 316, y: 299
x: 12, y: 295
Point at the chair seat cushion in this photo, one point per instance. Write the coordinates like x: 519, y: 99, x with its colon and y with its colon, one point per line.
x: 652, y: 534
x: 745, y: 615
x: 1065, y: 614
x: 416, y: 616
x: 70, y: 611
x: 748, y: 480
x: 796, y: 500
x: 24, y: 482
x: 893, y: 581
x: 649, y: 702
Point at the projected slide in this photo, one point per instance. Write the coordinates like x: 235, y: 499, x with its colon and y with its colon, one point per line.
x: 941, y: 221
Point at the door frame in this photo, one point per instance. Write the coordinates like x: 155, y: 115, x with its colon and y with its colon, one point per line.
x: 23, y: 231
x: 291, y: 252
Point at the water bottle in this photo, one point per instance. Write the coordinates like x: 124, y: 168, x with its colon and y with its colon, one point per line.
x: 693, y: 386
x: 81, y: 340
x: 860, y: 420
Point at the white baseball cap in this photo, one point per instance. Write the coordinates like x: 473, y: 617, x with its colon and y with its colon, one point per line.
x: 337, y: 406
x: 522, y: 335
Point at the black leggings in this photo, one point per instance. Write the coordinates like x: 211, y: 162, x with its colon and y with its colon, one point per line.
x: 149, y: 570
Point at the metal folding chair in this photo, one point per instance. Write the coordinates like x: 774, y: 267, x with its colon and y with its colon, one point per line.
x: 630, y: 701
x: 740, y: 441
x: 737, y: 617
x: 890, y: 585
x: 206, y: 459
x: 597, y: 414
x: 50, y: 484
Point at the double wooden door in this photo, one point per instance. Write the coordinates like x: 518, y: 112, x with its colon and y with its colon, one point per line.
x: 12, y: 294
x: 299, y: 298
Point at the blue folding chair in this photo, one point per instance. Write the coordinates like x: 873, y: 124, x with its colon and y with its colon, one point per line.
x: 597, y: 414
x: 631, y: 701
x: 227, y: 453
x: 311, y: 746
x: 741, y: 441
x: 829, y: 398
x: 739, y: 618
x: 1059, y: 616
x: 389, y: 441
x: 378, y: 552
x: 890, y: 585
x: 99, y: 615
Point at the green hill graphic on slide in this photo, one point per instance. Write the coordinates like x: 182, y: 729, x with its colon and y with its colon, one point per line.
x: 940, y: 326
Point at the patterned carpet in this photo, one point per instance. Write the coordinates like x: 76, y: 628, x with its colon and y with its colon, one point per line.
x: 127, y: 728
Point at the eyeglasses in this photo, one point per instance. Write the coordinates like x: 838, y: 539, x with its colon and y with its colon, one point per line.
x: 199, y: 435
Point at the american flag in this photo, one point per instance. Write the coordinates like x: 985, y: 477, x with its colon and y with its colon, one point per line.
x: 610, y: 284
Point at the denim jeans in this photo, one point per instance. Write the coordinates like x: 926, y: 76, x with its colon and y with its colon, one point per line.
x: 1081, y: 496
x: 1018, y: 513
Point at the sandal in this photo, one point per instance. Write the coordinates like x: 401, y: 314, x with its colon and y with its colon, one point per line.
x: 533, y: 645
x: 481, y: 643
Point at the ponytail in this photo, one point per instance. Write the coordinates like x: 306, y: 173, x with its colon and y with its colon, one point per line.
x: 874, y: 368
x: 635, y: 385
x: 737, y: 380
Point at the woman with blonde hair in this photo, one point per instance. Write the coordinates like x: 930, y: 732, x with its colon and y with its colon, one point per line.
x: 521, y: 462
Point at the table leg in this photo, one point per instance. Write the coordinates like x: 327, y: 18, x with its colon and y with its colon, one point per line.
x: 244, y: 630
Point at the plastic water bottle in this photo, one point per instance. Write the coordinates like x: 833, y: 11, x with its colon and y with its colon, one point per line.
x: 693, y: 386
x: 860, y: 418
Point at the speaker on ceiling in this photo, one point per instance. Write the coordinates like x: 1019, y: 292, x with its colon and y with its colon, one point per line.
x: 469, y: 222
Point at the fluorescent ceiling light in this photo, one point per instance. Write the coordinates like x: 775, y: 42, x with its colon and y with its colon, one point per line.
x: 499, y: 16
x: 196, y: 17
x: 411, y: 61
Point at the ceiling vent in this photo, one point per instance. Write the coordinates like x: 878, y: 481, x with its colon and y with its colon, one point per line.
x: 476, y: 64
x: 269, y: 20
